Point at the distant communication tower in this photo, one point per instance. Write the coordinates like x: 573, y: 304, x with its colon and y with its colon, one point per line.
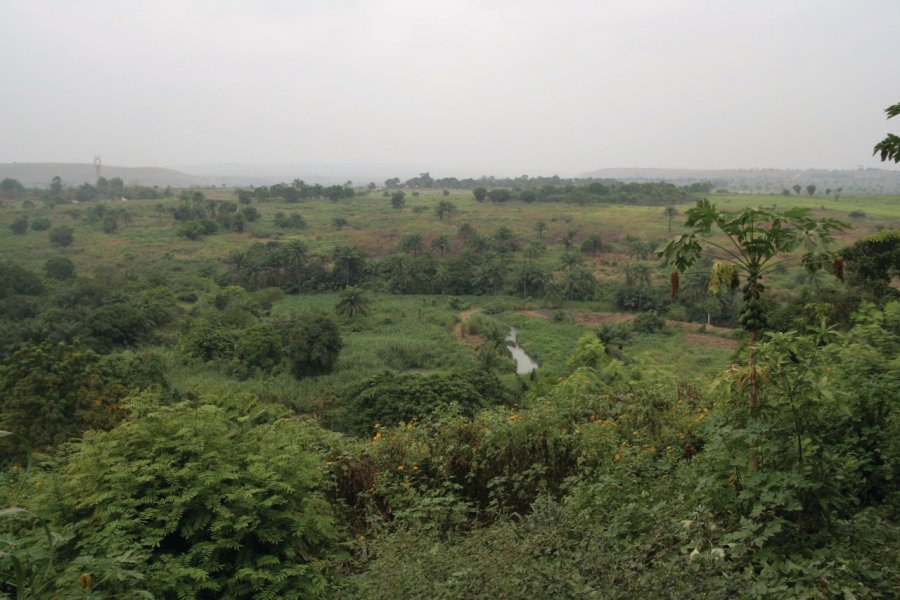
x: 98, y: 166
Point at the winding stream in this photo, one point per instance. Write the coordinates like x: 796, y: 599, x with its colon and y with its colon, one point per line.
x: 524, y: 363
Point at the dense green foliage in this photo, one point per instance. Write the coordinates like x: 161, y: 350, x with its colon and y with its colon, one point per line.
x: 263, y: 410
x: 390, y: 399
x: 205, y: 498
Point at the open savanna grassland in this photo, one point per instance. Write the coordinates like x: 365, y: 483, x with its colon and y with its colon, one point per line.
x: 415, y: 332
x: 374, y: 226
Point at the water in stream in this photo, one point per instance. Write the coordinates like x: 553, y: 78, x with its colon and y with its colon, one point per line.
x: 524, y: 363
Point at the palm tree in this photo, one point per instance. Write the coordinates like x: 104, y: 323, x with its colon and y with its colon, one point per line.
x: 349, y: 260
x: 489, y: 354
x: 614, y: 337
x: 571, y: 259
x: 637, y: 248
x: 530, y: 278
x: 670, y: 212
x: 489, y: 276
x: 441, y: 243
x: 411, y: 244
x: 638, y: 275
x: 353, y: 302
x: 541, y: 228
x: 441, y: 278
x: 533, y: 251
x: 444, y: 209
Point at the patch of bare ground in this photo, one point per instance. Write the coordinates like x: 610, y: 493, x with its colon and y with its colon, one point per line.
x: 459, y: 330
x: 713, y: 341
x: 711, y: 338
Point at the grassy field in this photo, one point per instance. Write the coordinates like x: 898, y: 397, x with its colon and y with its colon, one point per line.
x: 377, y: 228
x: 405, y: 333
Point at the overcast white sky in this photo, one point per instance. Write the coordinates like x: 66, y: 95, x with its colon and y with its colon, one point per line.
x: 459, y: 86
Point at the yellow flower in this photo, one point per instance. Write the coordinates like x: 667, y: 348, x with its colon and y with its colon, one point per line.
x: 618, y: 456
x: 400, y: 468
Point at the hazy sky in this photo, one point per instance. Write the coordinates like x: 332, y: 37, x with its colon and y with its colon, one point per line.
x: 502, y: 86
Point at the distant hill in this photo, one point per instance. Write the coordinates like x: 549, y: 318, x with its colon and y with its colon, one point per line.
x: 760, y: 181
x: 765, y: 181
x: 74, y: 174
x: 40, y: 174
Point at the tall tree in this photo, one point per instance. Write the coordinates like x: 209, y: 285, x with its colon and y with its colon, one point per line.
x: 11, y: 188
x: 755, y: 242
x: 441, y: 243
x: 353, y: 302
x: 349, y: 262
x: 670, y: 212
x: 412, y: 244
x: 445, y: 208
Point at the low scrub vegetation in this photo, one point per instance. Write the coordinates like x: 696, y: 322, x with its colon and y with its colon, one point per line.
x: 300, y: 391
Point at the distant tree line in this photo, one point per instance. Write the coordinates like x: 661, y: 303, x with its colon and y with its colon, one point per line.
x: 557, y: 189
x: 113, y: 188
x: 295, y: 191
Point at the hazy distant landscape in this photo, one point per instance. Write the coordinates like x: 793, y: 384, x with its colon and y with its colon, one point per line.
x: 871, y: 181
x: 429, y: 300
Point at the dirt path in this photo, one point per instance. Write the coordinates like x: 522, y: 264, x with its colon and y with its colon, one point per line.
x: 690, y: 329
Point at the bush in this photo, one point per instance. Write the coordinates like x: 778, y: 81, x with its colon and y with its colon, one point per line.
x: 52, y: 393
x: 648, y: 322
x: 208, y: 341
x: 18, y: 280
x: 259, y: 347
x: 61, y: 236
x: 19, y: 226
x: 117, y: 324
x: 311, y: 341
x: 194, y: 230
x: 40, y: 224
x: 212, y: 498
x: 250, y: 214
x: 60, y: 268
x: 387, y: 399
x: 292, y: 221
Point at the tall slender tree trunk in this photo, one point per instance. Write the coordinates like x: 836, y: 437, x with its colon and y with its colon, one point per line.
x: 753, y: 401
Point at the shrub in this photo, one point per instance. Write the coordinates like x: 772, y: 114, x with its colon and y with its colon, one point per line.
x: 259, y: 347
x: 293, y: 221
x: 19, y: 226
x: 18, y: 280
x: 311, y: 341
x: 40, y: 224
x: 648, y: 322
x: 60, y: 268
x: 194, y: 230
x: 52, y: 393
x: 216, y: 497
x: 388, y: 398
x: 208, y: 341
x: 117, y: 324
x: 61, y: 236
